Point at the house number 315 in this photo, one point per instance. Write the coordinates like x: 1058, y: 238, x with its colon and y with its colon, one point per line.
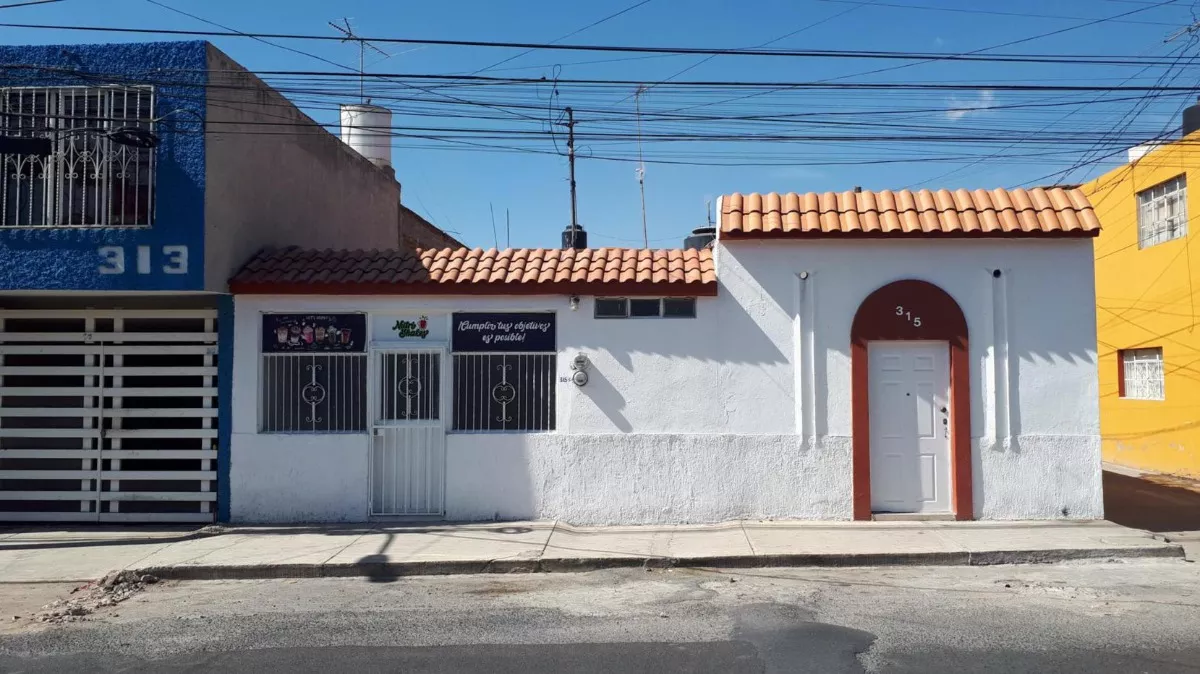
x: 915, y: 320
x: 171, y: 259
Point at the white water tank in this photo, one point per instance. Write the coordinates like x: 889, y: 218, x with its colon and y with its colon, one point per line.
x: 1136, y: 153
x: 368, y: 130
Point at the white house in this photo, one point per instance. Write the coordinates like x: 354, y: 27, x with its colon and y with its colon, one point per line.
x: 828, y: 356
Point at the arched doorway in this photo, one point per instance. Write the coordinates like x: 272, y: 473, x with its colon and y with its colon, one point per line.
x: 889, y: 324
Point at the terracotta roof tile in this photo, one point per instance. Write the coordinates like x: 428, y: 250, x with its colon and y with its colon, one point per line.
x: 1041, y: 211
x: 466, y: 271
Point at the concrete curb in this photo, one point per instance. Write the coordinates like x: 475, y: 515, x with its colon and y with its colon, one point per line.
x: 393, y: 570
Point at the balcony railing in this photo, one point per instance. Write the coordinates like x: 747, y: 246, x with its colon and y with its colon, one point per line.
x: 87, y: 179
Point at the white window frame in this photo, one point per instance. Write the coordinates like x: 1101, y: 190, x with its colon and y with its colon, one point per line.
x: 1162, y: 212
x: 88, y: 180
x: 1142, y: 374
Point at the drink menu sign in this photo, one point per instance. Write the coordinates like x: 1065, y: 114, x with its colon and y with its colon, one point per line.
x: 503, y: 332
x: 314, y: 333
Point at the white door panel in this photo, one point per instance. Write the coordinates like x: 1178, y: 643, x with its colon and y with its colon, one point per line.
x: 910, y: 431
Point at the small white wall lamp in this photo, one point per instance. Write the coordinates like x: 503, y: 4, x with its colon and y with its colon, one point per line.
x: 574, y: 302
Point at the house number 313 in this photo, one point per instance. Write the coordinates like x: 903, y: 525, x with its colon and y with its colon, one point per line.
x: 170, y: 259
x: 915, y: 320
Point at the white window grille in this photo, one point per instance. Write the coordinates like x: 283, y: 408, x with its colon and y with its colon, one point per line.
x: 504, y: 391
x: 1142, y: 374
x: 314, y: 393
x: 1162, y: 212
x: 87, y: 180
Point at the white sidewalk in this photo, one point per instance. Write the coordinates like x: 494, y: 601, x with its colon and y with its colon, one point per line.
x: 33, y: 554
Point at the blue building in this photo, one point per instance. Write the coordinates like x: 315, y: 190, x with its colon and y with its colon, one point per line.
x: 136, y: 179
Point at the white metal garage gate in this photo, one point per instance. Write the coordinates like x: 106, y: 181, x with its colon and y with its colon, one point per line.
x: 108, y: 415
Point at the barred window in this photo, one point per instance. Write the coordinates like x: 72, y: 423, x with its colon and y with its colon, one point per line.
x: 1162, y: 212
x: 504, y: 391
x: 95, y: 173
x: 314, y: 393
x: 1142, y: 374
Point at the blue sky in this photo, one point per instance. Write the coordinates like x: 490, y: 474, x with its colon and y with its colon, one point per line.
x: 454, y: 188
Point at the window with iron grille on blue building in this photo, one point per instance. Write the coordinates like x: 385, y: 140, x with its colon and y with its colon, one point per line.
x: 86, y: 176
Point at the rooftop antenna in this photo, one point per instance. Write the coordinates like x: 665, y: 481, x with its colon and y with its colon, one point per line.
x: 363, y: 45
x: 641, y: 169
x: 495, y: 237
x: 507, y: 230
x: 708, y: 214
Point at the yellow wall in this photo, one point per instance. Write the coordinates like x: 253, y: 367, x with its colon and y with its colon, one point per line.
x: 1147, y: 298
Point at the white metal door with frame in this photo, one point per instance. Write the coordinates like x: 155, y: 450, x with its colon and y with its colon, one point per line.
x: 910, y: 426
x: 408, y: 435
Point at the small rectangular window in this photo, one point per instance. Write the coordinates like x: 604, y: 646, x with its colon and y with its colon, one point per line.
x: 608, y: 307
x: 679, y: 307
x: 642, y: 308
x: 1141, y: 374
x: 646, y: 307
x: 1162, y: 212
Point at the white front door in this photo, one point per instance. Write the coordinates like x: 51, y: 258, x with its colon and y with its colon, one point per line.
x: 910, y: 427
x: 408, y: 439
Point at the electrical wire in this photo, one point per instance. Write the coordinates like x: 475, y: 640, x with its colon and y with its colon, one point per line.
x: 1068, y: 59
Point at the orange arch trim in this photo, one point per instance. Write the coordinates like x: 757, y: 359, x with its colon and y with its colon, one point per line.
x: 942, y: 320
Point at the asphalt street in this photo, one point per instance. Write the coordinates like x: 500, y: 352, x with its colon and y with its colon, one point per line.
x: 1093, y: 618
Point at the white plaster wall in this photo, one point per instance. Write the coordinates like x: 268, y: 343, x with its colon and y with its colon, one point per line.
x: 646, y: 478
x: 298, y: 478
x: 699, y: 419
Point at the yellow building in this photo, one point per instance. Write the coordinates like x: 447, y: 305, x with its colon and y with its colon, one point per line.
x: 1147, y: 315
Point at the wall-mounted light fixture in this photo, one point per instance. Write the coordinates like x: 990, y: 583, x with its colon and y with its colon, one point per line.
x: 574, y: 302
x: 803, y: 276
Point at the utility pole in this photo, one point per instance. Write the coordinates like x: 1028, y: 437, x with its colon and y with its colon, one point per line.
x: 641, y: 170
x: 571, y: 163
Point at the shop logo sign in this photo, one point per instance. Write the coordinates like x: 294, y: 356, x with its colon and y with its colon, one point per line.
x: 418, y: 328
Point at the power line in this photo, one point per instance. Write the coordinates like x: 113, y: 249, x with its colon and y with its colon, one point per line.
x: 1022, y: 15
x: 714, y: 84
x: 1075, y: 59
x: 571, y: 34
x: 28, y: 3
x: 975, y: 53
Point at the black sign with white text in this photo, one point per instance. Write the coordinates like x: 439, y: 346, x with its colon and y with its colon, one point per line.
x: 314, y: 333
x: 501, y: 332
